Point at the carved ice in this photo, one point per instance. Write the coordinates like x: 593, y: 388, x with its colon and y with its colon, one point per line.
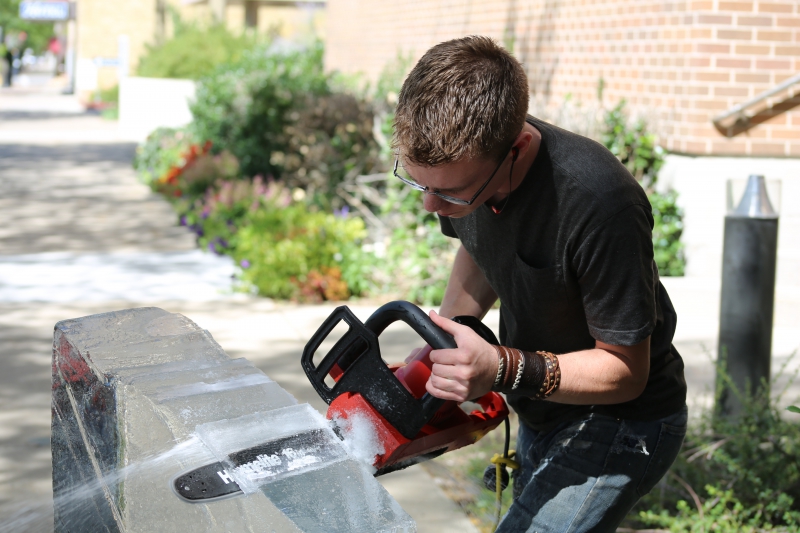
x: 141, y: 396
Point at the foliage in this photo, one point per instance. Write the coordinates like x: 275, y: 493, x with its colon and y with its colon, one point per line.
x: 163, y: 150
x: 38, y: 33
x: 193, y: 52
x: 244, y: 106
x: 297, y: 253
x: 667, y: 230
x: 637, y: 149
x: 748, y: 464
x: 416, y: 255
x: 723, y: 513
x: 633, y: 145
x: 329, y: 143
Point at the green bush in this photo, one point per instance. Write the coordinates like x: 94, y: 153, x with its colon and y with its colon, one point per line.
x: 748, y: 465
x: 164, y: 149
x: 637, y: 149
x: 297, y: 253
x: 194, y: 52
x: 667, y: 230
x: 417, y: 257
x: 244, y: 106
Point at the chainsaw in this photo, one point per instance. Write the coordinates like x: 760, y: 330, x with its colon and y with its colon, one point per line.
x: 409, y: 424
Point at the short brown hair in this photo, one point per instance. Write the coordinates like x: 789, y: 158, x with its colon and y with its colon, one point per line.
x: 465, y: 98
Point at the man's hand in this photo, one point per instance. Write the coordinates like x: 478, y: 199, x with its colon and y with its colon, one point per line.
x: 462, y: 373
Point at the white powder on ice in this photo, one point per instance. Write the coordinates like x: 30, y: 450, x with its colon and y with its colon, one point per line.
x: 360, y: 438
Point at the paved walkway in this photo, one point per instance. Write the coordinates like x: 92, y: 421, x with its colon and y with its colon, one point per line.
x: 79, y: 235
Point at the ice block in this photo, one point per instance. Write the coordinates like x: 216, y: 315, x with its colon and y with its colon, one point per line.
x: 142, y: 395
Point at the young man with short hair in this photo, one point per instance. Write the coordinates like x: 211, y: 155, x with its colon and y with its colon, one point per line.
x: 553, y: 225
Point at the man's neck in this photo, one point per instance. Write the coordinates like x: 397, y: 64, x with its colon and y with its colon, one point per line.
x: 521, y: 166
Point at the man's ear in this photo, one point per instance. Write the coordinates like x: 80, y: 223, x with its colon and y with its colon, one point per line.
x: 514, y: 153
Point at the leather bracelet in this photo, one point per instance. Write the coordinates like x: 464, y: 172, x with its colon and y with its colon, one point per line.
x: 536, y: 375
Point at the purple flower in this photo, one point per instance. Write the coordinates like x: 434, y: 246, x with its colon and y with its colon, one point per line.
x: 342, y: 213
x: 244, y: 263
x: 183, y: 220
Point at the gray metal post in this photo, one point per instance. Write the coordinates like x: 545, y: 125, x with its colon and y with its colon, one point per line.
x: 748, y: 296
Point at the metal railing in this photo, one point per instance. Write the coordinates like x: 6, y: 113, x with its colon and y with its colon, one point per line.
x: 738, y: 111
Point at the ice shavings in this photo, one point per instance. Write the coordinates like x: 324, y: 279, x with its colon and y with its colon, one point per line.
x: 360, y: 438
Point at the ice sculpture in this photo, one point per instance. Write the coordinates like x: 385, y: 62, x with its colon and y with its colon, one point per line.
x: 142, y: 395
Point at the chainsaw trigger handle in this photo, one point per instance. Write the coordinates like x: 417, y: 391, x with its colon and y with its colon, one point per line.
x: 414, y: 317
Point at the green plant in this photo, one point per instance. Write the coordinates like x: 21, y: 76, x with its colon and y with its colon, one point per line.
x: 667, y: 230
x: 722, y: 512
x: 244, y: 106
x: 163, y: 149
x: 418, y: 257
x: 297, y: 253
x: 633, y: 145
x: 749, y: 465
x: 194, y: 51
x: 638, y: 150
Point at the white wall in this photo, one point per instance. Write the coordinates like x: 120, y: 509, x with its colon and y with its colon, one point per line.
x: 149, y: 103
x: 701, y: 184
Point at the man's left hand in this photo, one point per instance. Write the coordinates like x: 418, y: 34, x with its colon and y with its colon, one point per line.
x: 463, y: 373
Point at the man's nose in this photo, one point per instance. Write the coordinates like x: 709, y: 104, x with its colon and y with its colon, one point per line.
x: 432, y: 203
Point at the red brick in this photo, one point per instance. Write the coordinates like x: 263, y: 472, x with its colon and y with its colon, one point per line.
x: 694, y: 147
x: 749, y: 77
x: 774, y: 35
x: 735, y: 34
x: 773, y: 64
x: 711, y: 105
x: 789, y: 22
x: 753, y: 21
x: 785, y: 133
x: 697, y: 89
x: 787, y: 51
x: 732, y: 147
x: 736, y: 6
x: 701, y: 33
x: 731, y: 91
x: 706, y: 5
x: 714, y: 19
x: 751, y: 49
x: 759, y: 148
x: 713, y: 48
x: 699, y: 62
x: 712, y: 76
x: 766, y: 7
x: 733, y: 63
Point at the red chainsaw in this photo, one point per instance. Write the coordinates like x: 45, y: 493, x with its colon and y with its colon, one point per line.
x: 411, y: 425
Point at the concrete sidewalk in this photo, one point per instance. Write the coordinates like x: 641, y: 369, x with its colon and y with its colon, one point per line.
x: 78, y: 236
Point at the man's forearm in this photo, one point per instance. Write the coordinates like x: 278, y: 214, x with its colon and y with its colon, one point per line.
x: 468, y: 292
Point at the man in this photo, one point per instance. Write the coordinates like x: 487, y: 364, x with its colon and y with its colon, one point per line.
x: 557, y: 229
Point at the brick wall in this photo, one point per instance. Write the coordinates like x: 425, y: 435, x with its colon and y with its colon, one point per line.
x: 677, y: 63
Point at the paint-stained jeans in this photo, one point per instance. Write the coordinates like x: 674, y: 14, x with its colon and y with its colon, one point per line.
x: 586, y: 475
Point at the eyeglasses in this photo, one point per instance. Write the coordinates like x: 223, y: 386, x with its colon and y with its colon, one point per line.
x: 434, y: 192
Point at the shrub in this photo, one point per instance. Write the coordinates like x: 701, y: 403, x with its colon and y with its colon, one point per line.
x: 637, y: 149
x: 193, y: 52
x: 163, y: 150
x: 296, y: 253
x: 749, y: 466
x: 244, y: 106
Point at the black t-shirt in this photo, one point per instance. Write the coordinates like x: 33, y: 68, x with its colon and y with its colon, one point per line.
x: 571, y: 258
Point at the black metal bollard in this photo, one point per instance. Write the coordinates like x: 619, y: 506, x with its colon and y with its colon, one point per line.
x: 748, y: 297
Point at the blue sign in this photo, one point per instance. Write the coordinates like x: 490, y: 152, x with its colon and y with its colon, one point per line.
x: 47, y: 11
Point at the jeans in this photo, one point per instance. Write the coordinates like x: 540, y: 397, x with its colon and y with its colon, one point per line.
x: 586, y: 475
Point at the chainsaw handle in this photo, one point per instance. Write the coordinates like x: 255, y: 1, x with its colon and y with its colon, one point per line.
x: 436, y: 337
x: 415, y: 317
